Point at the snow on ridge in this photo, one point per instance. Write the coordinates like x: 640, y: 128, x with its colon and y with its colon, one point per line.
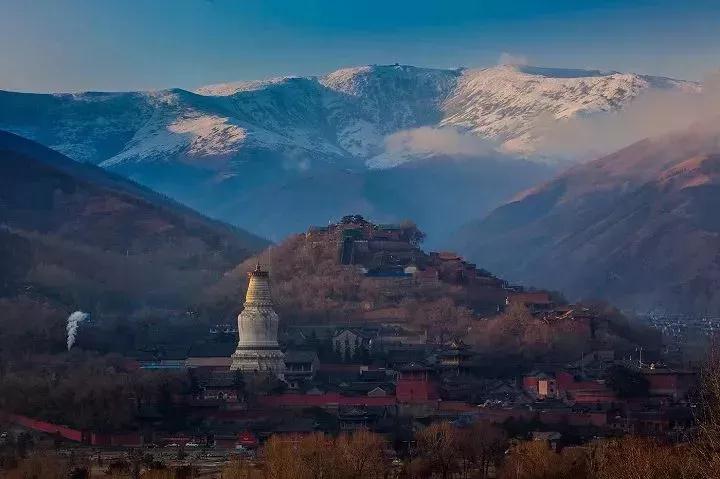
x: 212, y: 135
x: 198, y: 135
x: 344, y: 75
x: 341, y: 79
x: 506, y: 102
x: 356, y: 80
x: 228, y: 89
x: 347, y: 113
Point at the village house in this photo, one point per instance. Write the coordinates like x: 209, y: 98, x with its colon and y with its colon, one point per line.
x: 392, y: 335
x: 455, y: 358
x: 353, y: 418
x: 540, y: 385
x: 210, y: 356
x: 668, y: 382
x: 163, y: 358
x: 427, y: 277
x: 300, y: 367
x: 415, y: 385
x: 223, y: 387
x: 582, y: 391
x: 350, y: 342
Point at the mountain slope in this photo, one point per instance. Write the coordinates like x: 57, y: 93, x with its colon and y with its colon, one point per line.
x: 506, y: 102
x: 220, y: 148
x: 83, y: 238
x: 638, y: 227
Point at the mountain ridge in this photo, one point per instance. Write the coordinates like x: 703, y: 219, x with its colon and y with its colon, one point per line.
x: 636, y: 227
x: 76, y: 236
x: 454, y: 92
x: 220, y: 153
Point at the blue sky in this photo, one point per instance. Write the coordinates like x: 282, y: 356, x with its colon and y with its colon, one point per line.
x: 66, y: 45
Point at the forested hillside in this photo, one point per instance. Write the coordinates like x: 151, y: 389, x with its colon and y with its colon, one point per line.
x: 74, y: 237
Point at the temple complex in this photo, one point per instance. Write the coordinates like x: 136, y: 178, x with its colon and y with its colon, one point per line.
x: 258, y: 350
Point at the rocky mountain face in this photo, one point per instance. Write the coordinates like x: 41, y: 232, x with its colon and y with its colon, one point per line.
x: 638, y: 227
x: 79, y: 237
x: 243, y: 152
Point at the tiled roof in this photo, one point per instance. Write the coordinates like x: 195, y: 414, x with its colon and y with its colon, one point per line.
x: 300, y: 356
x: 218, y: 381
x: 413, y: 366
x: 325, y: 399
x: 212, y: 349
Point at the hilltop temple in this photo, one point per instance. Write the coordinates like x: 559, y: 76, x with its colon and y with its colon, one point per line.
x: 258, y: 350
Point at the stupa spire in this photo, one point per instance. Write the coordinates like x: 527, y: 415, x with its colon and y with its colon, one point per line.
x: 258, y: 349
x: 258, y: 292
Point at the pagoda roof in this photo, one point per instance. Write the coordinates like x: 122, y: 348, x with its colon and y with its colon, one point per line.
x: 212, y: 349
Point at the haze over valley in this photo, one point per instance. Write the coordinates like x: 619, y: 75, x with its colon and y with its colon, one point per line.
x: 391, y: 142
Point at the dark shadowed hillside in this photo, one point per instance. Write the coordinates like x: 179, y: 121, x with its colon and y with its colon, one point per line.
x: 639, y: 227
x: 73, y: 236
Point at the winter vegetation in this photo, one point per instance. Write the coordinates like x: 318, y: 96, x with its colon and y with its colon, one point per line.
x: 440, y: 451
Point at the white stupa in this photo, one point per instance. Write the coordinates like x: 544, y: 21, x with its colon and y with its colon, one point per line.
x: 258, y: 350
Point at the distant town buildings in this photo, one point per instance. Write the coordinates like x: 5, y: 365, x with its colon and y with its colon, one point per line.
x: 390, y: 256
x: 379, y: 370
x: 681, y: 328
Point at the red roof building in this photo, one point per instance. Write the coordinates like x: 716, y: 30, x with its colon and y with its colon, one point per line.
x: 414, y: 385
x: 668, y: 382
x: 247, y: 440
x: 583, y: 392
x: 327, y: 400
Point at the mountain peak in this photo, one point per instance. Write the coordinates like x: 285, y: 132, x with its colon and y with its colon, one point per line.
x: 231, y: 88
x: 204, y: 147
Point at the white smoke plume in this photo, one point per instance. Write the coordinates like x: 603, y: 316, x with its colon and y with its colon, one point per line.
x: 73, y: 322
x: 512, y: 59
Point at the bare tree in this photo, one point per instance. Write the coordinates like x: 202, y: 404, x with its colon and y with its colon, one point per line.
x: 480, y: 447
x: 637, y: 458
x: 279, y: 458
x: 362, y: 455
x: 531, y: 460
x: 437, y: 445
x: 240, y: 469
x: 706, y: 446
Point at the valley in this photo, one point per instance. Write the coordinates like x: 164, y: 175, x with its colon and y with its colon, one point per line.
x: 388, y: 141
x: 359, y: 240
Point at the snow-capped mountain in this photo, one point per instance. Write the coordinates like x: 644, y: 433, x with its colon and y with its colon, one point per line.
x: 222, y: 148
x: 507, y: 102
x: 346, y: 114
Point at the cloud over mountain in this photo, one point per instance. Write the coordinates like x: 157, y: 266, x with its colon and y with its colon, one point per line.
x: 654, y: 112
x: 245, y: 151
